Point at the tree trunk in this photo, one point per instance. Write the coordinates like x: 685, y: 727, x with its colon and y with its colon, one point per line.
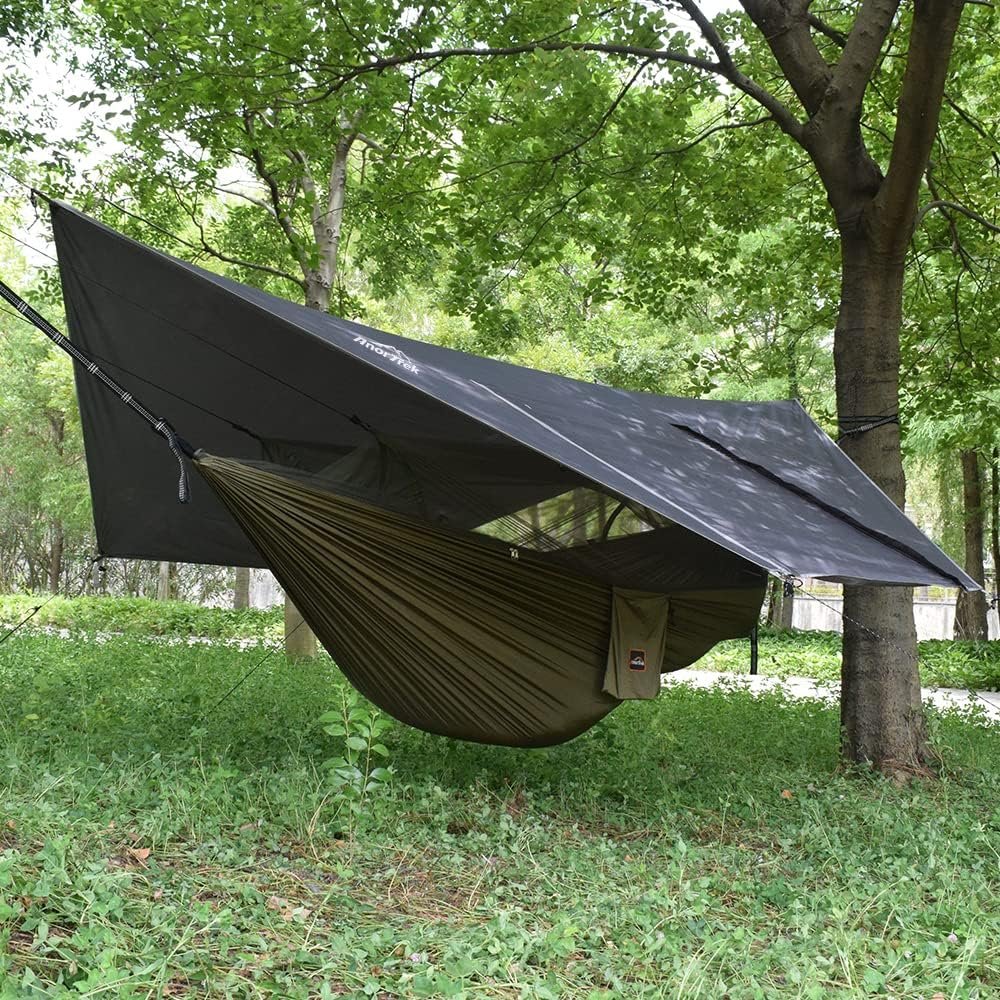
x: 163, y: 583
x: 881, y: 714
x: 995, y: 524
x: 779, y: 607
x: 300, y: 640
x: 327, y: 226
x: 56, y: 556
x: 970, y: 608
x: 241, y: 592
x: 787, y: 610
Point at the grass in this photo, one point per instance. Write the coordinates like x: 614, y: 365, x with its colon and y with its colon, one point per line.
x: 141, y: 616
x: 943, y: 662
x: 705, y: 845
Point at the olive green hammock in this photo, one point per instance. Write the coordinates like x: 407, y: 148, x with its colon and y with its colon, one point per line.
x: 458, y: 633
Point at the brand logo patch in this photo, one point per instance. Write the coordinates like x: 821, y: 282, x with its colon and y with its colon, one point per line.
x: 387, y: 351
x: 637, y: 659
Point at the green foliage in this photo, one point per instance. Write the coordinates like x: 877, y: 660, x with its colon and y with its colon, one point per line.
x: 355, y: 775
x: 44, y: 500
x: 141, y: 616
x: 706, y: 844
x: 957, y: 663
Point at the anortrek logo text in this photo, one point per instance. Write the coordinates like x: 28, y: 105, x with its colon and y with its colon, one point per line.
x: 390, y: 353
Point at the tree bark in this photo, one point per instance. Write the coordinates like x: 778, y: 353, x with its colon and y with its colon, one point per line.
x: 881, y: 714
x: 300, y: 640
x: 241, y: 591
x: 56, y: 556
x: 774, y: 602
x: 995, y: 524
x: 970, y: 608
x: 163, y: 589
x: 787, y: 610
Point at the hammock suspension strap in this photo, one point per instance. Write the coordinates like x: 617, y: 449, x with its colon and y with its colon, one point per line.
x: 177, y: 445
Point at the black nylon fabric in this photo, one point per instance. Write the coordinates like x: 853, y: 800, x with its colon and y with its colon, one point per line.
x: 758, y: 480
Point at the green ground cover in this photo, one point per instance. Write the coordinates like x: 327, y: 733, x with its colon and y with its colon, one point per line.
x: 943, y: 663
x: 141, y: 616
x: 154, y: 844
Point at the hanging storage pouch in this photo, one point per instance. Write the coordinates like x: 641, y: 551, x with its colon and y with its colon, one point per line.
x: 638, y: 639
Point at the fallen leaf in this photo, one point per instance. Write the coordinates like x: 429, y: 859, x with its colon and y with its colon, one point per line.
x: 276, y: 903
x: 786, y: 793
x: 141, y: 854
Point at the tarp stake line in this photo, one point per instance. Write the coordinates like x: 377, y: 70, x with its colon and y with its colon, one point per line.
x: 177, y: 445
x: 70, y: 586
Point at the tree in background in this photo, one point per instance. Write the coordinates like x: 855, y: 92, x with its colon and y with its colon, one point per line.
x: 44, y: 501
x: 222, y: 112
x: 951, y: 341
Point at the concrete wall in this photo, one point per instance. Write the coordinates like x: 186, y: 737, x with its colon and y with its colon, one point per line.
x: 264, y: 589
x: 934, y: 619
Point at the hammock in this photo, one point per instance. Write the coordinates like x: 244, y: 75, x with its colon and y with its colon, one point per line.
x: 446, y: 631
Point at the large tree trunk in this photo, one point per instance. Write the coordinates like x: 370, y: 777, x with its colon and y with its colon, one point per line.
x: 995, y: 524
x: 164, y: 582
x: 881, y: 715
x: 241, y: 591
x: 970, y: 608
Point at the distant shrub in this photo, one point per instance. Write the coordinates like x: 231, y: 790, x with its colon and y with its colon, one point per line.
x: 142, y: 616
x: 943, y: 662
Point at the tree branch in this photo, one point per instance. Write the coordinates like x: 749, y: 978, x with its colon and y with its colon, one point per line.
x: 341, y: 75
x: 697, y: 140
x: 786, y: 31
x: 606, y: 117
x: 280, y: 213
x: 977, y: 126
x: 931, y: 40
x: 856, y: 64
x: 728, y: 69
x: 817, y: 24
x: 369, y: 142
x: 954, y: 206
x: 205, y: 247
x: 246, y: 197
